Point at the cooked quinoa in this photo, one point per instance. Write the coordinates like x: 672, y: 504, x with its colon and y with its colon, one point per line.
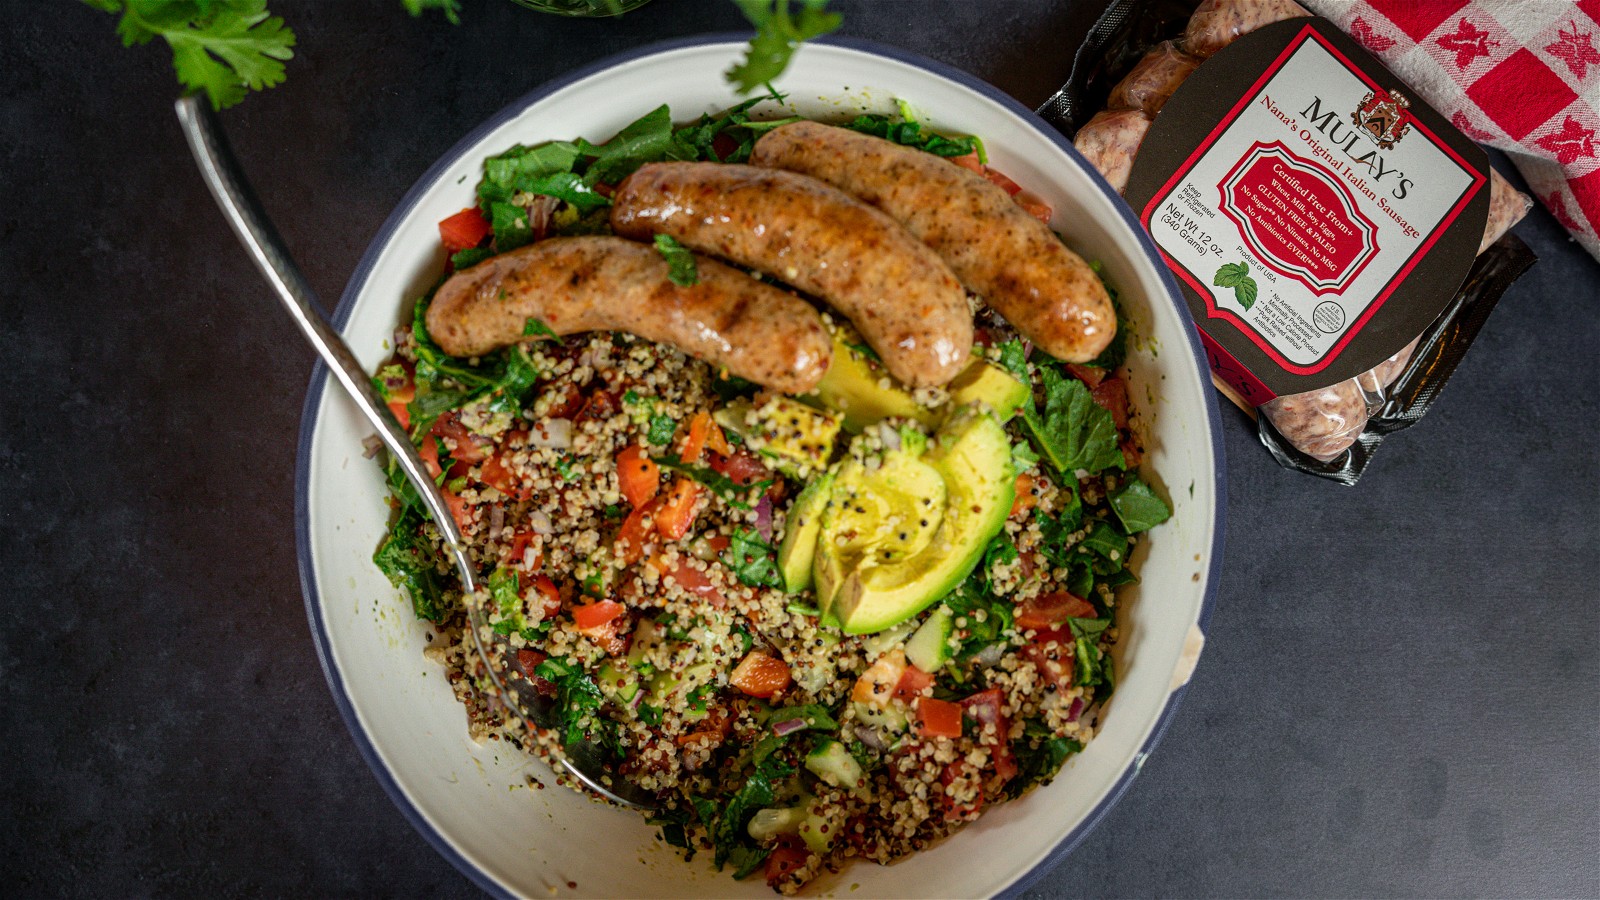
x: 629, y: 546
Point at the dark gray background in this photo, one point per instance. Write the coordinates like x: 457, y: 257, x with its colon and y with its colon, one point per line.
x: 1400, y: 694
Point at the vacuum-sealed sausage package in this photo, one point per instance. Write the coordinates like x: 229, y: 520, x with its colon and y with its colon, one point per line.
x: 1338, y: 241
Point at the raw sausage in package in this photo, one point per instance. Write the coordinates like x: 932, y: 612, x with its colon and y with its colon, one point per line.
x: 1328, y: 430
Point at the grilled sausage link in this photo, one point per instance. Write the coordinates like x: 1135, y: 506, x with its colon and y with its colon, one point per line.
x: 901, y: 296
x: 577, y: 284
x: 1014, y: 261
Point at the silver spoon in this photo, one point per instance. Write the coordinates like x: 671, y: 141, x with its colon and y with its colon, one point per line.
x: 585, y: 760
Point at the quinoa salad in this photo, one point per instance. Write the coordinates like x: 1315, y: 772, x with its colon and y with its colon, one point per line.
x: 815, y: 625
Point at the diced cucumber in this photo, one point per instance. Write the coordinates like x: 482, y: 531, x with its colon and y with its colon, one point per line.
x: 814, y: 830
x: 646, y: 635
x: 876, y: 645
x: 619, y: 683
x: 769, y: 823
x: 831, y: 762
x: 929, y: 648
x: 889, y: 718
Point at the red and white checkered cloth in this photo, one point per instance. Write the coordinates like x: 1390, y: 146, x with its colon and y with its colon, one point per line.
x: 1520, y: 75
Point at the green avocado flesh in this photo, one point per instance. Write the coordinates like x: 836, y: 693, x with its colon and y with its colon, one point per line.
x: 799, y: 548
x: 984, y: 382
x: 897, y: 539
x: 864, y: 394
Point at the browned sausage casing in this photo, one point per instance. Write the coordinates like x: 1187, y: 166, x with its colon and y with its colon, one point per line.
x: 1014, y: 261
x: 578, y: 284
x: 899, y: 294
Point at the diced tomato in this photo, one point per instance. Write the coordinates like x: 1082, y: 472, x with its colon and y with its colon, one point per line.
x: 876, y: 685
x: 459, y: 509
x: 1091, y: 376
x: 960, y: 770
x: 1026, y: 499
x: 1035, y: 207
x: 1053, y: 660
x: 689, y: 578
x: 699, y: 438
x: 985, y: 708
x: 723, y: 145
x: 635, y: 535
x: 495, y: 473
x: 938, y: 718
x: 911, y: 684
x: 516, y: 553
x: 401, y: 412
x: 549, y: 595
x: 741, y: 468
x: 789, y: 856
x: 597, y: 407
x: 464, y: 230
x: 718, y: 542
x: 760, y: 675
x: 1131, y: 454
x: 1053, y: 609
x: 429, y: 453
x: 675, y: 511
x: 592, y: 618
x: 968, y: 161
x: 569, y: 404
x: 469, y: 448
x: 637, y: 475
x: 527, y: 661
x: 1112, y: 395
x: 999, y: 178
x: 398, y: 400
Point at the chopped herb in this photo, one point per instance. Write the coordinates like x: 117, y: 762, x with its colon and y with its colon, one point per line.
x: 535, y: 328
x: 681, y: 269
x: 410, y: 562
x: 578, y: 699
x: 720, y: 484
x: 1137, y: 507
x: 1014, y: 359
x: 1073, y: 432
x: 911, y: 134
x: 466, y: 259
x: 569, y: 468
x: 778, y: 33
x: 751, y: 559
x: 662, y: 428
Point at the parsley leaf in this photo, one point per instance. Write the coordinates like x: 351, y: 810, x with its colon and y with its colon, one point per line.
x: 535, y: 328
x: 1074, y: 432
x: 1137, y: 507
x: 223, y: 49
x: 662, y: 428
x: 911, y: 134
x: 751, y: 559
x: 778, y: 33
x: 681, y: 269
x: 1237, y: 276
x: 1014, y: 359
x: 578, y: 699
x: 408, y: 561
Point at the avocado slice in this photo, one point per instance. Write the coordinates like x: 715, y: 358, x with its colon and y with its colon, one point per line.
x: 799, y: 548
x: 797, y: 438
x: 875, y: 516
x: 985, y: 382
x: 863, y: 393
x: 867, y: 593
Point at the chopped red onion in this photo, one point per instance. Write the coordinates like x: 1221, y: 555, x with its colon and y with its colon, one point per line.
x: 788, y: 727
x: 764, y: 518
x: 870, y: 737
x: 497, y: 518
x: 1075, y: 709
x: 373, y: 444
x: 539, y: 521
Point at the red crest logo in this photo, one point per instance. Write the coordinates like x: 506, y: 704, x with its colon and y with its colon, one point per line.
x: 1385, y: 117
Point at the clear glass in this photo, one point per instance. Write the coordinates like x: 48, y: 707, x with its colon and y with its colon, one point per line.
x: 582, y: 7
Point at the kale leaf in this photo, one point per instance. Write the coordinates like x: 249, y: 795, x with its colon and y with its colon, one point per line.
x: 1073, y: 432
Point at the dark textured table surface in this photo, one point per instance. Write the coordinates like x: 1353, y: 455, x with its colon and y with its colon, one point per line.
x: 1401, y: 691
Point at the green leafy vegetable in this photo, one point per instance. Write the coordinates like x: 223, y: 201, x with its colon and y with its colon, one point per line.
x: 566, y: 186
x: 1074, y: 432
x: 778, y: 33
x: 1237, y: 276
x: 911, y: 134
x: 1104, y: 541
x: 466, y: 259
x: 1137, y: 507
x: 727, y: 826
x: 222, y: 48
x: 535, y: 328
x: 409, y: 562
x: 579, y: 700
x: 661, y: 430
x: 751, y: 559
x: 1115, y: 352
x: 1014, y: 359
x: 720, y: 484
x: 450, y: 8
x: 1040, y: 755
x: 647, y: 139
x: 747, y: 859
x: 681, y: 269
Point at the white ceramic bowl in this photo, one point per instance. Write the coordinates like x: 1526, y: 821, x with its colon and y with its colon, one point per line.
x: 471, y: 802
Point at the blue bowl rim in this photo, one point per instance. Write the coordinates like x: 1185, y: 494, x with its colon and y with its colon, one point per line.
x: 406, y: 207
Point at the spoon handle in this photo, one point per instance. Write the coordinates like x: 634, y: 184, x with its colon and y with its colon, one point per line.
x: 249, y: 221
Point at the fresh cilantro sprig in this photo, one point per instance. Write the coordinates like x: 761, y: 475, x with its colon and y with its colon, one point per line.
x: 681, y: 269
x: 778, y: 32
x: 222, y: 47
